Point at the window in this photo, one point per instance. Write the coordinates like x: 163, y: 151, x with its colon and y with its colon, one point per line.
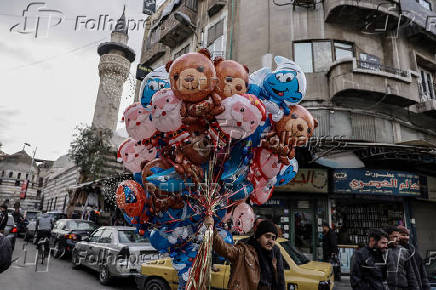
x: 40, y: 182
x: 182, y: 51
x: 428, y: 88
x: 425, y: 3
x: 129, y: 236
x: 106, y: 237
x: 19, y: 175
x: 215, y: 39
x: 317, y: 56
x: 3, y: 173
x: 192, y: 4
x: 27, y: 176
x: 38, y: 192
x: 17, y: 181
x: 11, y: 174
x: 95, y: 236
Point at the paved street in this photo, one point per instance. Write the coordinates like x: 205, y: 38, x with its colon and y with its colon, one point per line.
x: 59, y: 274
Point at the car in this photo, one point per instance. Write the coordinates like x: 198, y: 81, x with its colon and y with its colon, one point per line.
x: 67, y: 232
x: 10, y: 231
x: 31, y: 215
x: 56, y: 215
x: 300, y: 272
x: 113, y: 251
x: 430, y: 267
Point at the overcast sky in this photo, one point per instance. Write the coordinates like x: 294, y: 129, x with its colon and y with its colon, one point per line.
x: 49, y: 84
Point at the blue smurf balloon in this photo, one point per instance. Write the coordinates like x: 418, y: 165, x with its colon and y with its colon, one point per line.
x: 287, y: 173
x: 279, y: 89
x: 153, y: 82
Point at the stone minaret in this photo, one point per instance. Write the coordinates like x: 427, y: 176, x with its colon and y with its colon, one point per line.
x: 114, y: 67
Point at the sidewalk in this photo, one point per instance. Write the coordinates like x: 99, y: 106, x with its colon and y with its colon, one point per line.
x: 344, y: 284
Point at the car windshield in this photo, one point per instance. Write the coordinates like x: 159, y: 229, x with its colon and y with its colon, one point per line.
x: 129, y: 236
x: 31, y: 215
x: 298, y: 257
x: 81, y: 225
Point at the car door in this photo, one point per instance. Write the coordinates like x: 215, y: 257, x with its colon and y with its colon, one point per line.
x: 91, y: 249
x: 104, y: 247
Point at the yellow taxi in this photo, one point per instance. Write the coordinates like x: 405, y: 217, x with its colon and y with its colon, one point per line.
x: 300, y: 272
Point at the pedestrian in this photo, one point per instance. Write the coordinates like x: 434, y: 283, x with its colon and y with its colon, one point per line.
x: 417, y: 261
x: 5, y: 253
x: 400, y: 274
x: 368, y: 268
x: 330, y: 249
x: 254, y: 264
x: 3, y: 217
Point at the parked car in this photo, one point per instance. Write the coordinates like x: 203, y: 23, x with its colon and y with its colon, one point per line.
x: 113, y: 251
x: 10, y: 230
x: 30, y: 215
x: 300, y: 272
x: 57, y: 215
x: 67, y: 232
x: 430, y: 266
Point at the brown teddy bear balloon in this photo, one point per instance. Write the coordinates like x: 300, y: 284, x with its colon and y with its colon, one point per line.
x: 232, y: 77
x: 292, y: 130
x: 193, y: 80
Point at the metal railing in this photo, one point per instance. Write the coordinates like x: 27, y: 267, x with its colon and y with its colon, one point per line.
x: 426, y: 96
x: 379, y: 67
x: 216, y: 53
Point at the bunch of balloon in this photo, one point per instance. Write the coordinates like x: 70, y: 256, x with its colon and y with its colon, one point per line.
x: 206, y: 141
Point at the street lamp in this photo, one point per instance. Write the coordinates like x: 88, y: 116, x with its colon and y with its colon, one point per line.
x: 29, y: 172
x: 185, y: 20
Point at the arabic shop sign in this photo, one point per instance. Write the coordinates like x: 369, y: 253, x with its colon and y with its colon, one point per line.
x: 360, y: 181
x: 308, y: 180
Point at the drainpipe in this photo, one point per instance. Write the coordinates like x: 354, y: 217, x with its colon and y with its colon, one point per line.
x: 231, y: 31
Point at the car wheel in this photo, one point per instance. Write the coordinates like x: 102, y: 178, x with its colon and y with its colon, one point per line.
x: 59, y: 251
x: 156, y: 284
x: 104, y: 275
x: 75, y: 260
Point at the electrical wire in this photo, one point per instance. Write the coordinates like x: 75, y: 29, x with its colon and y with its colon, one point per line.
x: 56, y: 56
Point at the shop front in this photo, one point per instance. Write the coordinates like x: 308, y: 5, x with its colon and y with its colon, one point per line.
x: 299, y: 208
x: 363, y: 200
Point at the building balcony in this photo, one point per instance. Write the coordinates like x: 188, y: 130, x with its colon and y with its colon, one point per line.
x: 362, y: 84
x: 215, y: 6
x: 152, y: 54
x: 422, y: 23
x: 427, y: 106
x: 370, y: 15
x: 174, y: 32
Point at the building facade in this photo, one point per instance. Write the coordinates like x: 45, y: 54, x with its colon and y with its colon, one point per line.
x: 15, y: 170
x: 370, y: 67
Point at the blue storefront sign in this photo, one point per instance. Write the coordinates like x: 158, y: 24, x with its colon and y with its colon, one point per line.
x: 378, y: 182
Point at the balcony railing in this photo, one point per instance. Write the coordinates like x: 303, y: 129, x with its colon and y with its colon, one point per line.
x: 426, y: 96
x: 216, y: 53
x: 379, y: 67
x: 174, y: 32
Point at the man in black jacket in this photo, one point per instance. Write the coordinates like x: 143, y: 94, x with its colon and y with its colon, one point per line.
x: 416, y: 259
x: 368, y: 268
x: 400, y: 274
x: 329, y: 243
x: 3, y: 217
x: 330, y: 249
